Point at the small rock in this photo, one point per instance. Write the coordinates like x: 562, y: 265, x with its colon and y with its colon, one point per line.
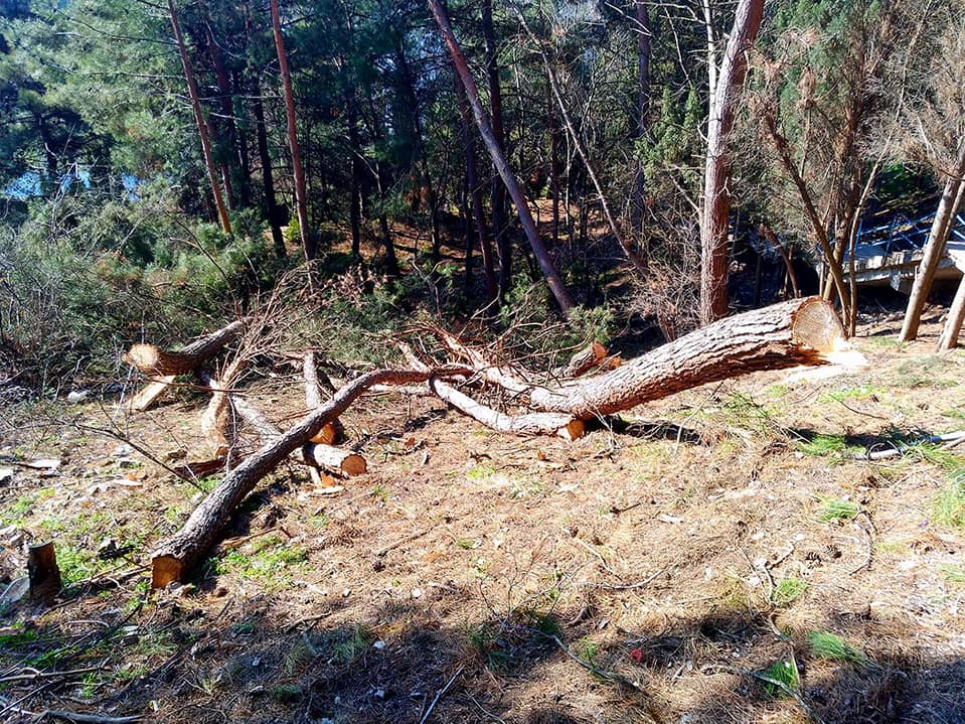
x: 76, y: 396
x: 256, y: 662
x: 220, y: 592
x: 122, y: 450
x: 378, y: 645
x: 417, y: 593
x: 379, y: 694
x: 6, y: 474
x: 346, y: 593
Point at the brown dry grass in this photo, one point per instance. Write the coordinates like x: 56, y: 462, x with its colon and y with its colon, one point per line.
x: 659, y: 556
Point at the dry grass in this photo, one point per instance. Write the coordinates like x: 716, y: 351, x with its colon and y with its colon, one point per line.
x: 676, y: 567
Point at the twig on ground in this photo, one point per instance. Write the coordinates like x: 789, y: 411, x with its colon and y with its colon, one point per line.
x: 408, y: 539
x: 602, y: 673
x: 440, y: 694
x: 71, y: 715
x: 48, y: 674
x: 871, y: 544
x: 623, y: 587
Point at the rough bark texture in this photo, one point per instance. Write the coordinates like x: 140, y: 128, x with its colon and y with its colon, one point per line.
x: 175, y: 556
x: 953, y: 325
x: 203, y: 131
x: 553, y: 278
x: 301, y: 202
x: 716, y: 208
x: 934, y: 249
x: 798, y: 332
x: 43, y: 572
x: 157, y: 362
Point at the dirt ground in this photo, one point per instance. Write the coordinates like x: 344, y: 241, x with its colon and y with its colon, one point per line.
x: 719, y: 556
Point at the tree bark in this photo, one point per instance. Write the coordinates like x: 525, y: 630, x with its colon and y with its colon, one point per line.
x: 267, y: 175
x: 643, y: 115
x: 717, y: 173
x: 797, y: 332
x: 476, y: 208
x: 175, y: 556
x: 497, y: 195
x: 43, y: 572
x: 555, y: 281
x: 953, y: 324
x: 199, y: 119
x: 154, y: 361
x: 301, y: 201
x: 934, y: 250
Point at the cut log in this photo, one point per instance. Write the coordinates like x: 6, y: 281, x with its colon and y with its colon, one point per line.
x: 793, y: 333
x: 336, y: 460
x: 43, y: 572
x: 151, y: 393
x: 331, y: 432
x: 157, y: 362
x: 176, y: 555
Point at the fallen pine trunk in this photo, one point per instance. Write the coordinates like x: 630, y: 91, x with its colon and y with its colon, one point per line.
x: 176, y: 555
x: 790, y: 334
x: 157, y: 362
x: 334, y: 459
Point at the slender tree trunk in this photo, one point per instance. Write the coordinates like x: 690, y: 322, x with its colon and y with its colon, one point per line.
x: 643, y: 118
x: 267, y: 176
x: 227, y: 120
x: 554, y: 165
x: 475, y: 194
x: 355, y: 208
x: 553, y: 278
x: 717, y: 173
x: 301, y: 203
x: 953, y: 324
x: 934, y: 250
x: 497, y: 198
x: 391, y: 261
x: 199, y: 119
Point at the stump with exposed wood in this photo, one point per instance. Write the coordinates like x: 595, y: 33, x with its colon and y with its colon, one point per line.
x: 43, y: 572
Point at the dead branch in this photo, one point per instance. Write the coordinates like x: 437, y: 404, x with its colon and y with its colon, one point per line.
x: 157, y: 362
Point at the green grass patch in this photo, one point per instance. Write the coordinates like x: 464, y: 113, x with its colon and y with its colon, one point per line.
x: 925, y: 372
x: 831, y: 647
x: 953, y: 574
x: 862, y: 392
x: 832, y: 509
x: 779, y: 677
x: 822, y: 445
x: 268, y: 561
x: 788, y: 590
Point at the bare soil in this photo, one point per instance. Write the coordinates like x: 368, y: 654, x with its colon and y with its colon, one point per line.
x: 661, y: 569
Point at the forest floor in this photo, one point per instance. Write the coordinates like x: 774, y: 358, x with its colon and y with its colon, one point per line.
x: 718, y: 556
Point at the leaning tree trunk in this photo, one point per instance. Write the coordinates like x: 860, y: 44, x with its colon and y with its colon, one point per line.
x: 267, y: 173
x: 716, y: 205
x: 553, y: 278
x: 219, y: 201
x: 301, y: 202
x: 953, y: 324
x: 934, y: 250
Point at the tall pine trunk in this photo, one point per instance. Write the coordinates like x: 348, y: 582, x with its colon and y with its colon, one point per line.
x: 934, y: 250
x: 715, y: 218
x: 301, y: 203
x: 553, y: 278
x: 203, y: 131
x: 267, y: 174
x: 497, y: 195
